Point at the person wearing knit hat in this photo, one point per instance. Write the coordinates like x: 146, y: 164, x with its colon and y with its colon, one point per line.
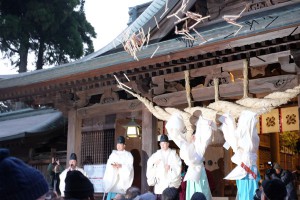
x: 78, y: 186
x: 273, y: 190
x: 19, y: 181
x: 170, y: 193
x: 163, y: 168
x: 287, y: 178
x: 198, y: 196
x: 118, y: 175
x: 146, y: 196
x: 132, y: 192
x: 72, y: 166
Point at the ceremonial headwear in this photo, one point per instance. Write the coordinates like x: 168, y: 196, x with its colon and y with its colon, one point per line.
x: 73, y: 156
x: 19, y: 180
x: 121, y: 140
x: 274, y: 189
x: 164, y: 138
x: 78, y: 186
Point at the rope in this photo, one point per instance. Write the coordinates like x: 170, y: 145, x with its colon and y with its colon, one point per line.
x: 245, y: 74
x: 216, y: 86
x: 188, y: 87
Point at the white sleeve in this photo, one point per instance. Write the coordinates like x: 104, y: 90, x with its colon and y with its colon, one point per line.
x: 204, y: 129
x: 126, y: 173
x: 175, y: 128
x: 174, y: 173
x: 110, y: 175
x: 151, y: 170
x: 62, y: 183
x: 228, y: 128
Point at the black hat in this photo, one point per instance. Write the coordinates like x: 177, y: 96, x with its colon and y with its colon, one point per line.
x: 78, y: 186
x: 19, y: 180
x: 164, y: 138
x: 73, y: 156
x: 121, y: 140
x: 274, y: 188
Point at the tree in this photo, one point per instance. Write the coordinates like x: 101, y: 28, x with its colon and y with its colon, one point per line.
x: 56, y: 31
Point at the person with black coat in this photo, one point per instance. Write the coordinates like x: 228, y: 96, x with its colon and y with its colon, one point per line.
x: 287, y: 178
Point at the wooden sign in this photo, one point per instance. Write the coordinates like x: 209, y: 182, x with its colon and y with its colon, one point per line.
x: 270, y: 122
x: 290, y: 119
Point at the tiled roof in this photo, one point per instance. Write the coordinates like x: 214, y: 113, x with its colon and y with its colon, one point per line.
x: 22, y: 123
x: 289, y: 15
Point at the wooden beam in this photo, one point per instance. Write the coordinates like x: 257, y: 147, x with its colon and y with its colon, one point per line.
x: 256, y: 86
x: 110, y: 108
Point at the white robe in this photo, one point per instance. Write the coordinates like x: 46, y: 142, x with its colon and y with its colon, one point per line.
x: 193, y: 152
x: 62, y: 177
x: 118, y: 180
x: 156, y: 174
x: 243, y: 140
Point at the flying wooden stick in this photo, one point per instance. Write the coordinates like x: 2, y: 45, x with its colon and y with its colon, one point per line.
x: 231, y: 19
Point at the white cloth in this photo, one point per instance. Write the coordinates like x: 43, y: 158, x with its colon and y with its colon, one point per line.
x: 62, y: 177
x: 118, y: 180
x: 192, y: 152
x: 156, y: 174
x: 244, y: 141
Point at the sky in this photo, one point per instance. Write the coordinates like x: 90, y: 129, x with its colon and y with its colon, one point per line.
x: 109, y: 18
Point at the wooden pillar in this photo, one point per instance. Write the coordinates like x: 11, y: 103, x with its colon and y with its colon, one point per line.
x: 149, y: 143
x: 275, y: 148
x: 74, y: 136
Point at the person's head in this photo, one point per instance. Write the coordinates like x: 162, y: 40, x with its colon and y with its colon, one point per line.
x: 170, y: 193
x: 273, y: 190
x: 164, y: 142
x: 119, y: 197
x: 146, y: 196
x: 121, y: 143
x: 198, y: 196
x: 132, y: 192
x: 78, y: 186
x: 73, y: 160
x: 277, y: 168
x: 257, y: 195
x: 19, y: 180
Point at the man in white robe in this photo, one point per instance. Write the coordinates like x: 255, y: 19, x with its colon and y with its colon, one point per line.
x: 119, y: 172
x: 164, y: 168
x: 192, y: 152
x: 72, y: 166
x: 244, y: 141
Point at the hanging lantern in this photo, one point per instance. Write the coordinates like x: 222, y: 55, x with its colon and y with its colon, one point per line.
x: 132, y: 129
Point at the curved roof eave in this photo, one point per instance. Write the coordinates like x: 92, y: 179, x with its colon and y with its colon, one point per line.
x: 144, y: 18
x: 289, y: 16
x: 156, y: 7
